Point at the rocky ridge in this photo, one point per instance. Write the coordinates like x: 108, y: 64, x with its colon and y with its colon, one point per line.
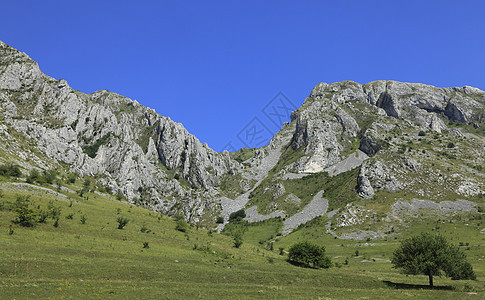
x: 148, y: 158
x: 348, y: 142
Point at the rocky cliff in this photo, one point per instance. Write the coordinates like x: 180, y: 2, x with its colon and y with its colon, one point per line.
x: 348, y: 144
x: 130, y: 148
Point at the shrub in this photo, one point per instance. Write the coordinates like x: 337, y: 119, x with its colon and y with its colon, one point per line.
x: 450, y: 145
x: 282, y: 250
x: 181, y: 225
x: 145, y: 245
x: 122, y: 222
x: 220, y: 220
x: 34, y: 176
x: 237, y: 215
x: 71, y: 178
x: 49, y: 176
x: 26, y: 216
x: 10, y: 170
x: 54, y: 211
x: 238, y: 240
x: 422, y: 133
x: 309, y: 255
x: 70, y: 216
x: 43, y: 215
x: 83, y: 219
x: 144, y: 229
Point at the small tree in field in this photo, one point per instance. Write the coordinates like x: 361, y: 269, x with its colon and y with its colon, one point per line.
x: 432, y: 255
x: 309, y: 255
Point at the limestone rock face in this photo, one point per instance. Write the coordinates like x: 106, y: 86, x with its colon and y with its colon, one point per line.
x: 111, y: 136
x: 425, y: 141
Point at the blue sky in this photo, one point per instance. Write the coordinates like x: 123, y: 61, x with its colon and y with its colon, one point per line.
x: 215, y: 65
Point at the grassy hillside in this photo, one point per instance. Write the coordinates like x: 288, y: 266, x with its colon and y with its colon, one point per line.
x: 149, y: 258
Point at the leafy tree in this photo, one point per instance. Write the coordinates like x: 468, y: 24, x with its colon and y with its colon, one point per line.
x: 432, y: 255
x: 237, y: 215
x: 309, y: 255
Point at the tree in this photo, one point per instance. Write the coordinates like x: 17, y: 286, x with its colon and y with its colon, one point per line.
x: 309, y: 255
x: 432, y: 255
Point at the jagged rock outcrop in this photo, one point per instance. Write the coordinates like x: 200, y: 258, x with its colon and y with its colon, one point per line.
x: 381, y: 136
x: 111, y: 136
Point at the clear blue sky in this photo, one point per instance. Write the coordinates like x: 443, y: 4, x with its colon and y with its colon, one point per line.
x: 214, y: 65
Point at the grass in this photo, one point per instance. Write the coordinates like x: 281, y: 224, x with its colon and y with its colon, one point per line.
x: 242, y: 154
x: 255, y: 233
x: 339, y: 190
x: 98, y: 260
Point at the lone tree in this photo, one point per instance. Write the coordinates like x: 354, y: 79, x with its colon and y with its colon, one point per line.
x: 309, y: 255
x: 432, y: 255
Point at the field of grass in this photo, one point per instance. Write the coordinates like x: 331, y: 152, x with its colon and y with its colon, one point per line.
x: 98, y: 260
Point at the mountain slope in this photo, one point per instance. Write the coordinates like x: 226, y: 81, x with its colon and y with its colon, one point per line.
x: 361, y: 149
x: 152, y: 160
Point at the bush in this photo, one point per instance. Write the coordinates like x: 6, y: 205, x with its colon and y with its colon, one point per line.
x: 144, y: 229
x: 83, y: 219
x: 306, y: 254
x: 10, y: 170
x: 43, y: 215
x: 26, y: 216
x: 71, y: 178
x: 145, y: 245
x: 122, y: 222
x: 237, y: 215
x: 450, y: 145
x: 220, y: 220
x: 182, y: 225
x: 34, y: 176
x: 422, y: 133
x: 238, y: 240
x: 54, y: 211
x: 49, y: 176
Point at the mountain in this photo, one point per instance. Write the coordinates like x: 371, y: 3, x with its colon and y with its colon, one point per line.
x: 376, y: 153
x: 131, y: 149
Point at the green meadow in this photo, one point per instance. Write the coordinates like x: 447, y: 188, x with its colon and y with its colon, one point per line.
x: 150, y: 259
